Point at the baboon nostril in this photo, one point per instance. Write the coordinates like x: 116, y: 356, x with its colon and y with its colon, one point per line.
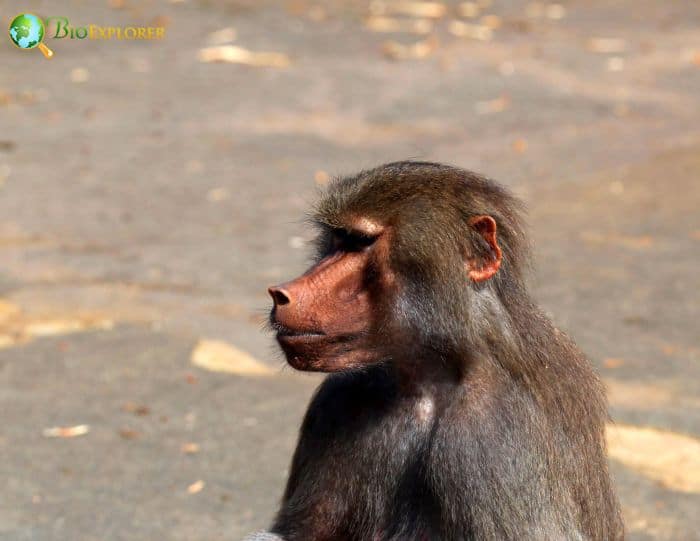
x: 279, y: 296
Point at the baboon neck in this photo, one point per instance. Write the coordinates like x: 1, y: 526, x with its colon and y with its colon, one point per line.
x: 423, y: 374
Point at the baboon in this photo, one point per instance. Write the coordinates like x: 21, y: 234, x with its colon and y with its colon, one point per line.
x: 453, y: 409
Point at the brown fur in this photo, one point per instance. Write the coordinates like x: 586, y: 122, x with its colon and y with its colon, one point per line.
x: 467, y: 415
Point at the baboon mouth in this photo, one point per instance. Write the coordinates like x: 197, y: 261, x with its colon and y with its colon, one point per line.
x: 288, y: 334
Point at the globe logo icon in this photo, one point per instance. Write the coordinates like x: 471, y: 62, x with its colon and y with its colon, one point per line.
x: 27, y: 32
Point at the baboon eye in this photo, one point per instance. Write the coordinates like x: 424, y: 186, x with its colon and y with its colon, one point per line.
x: 351, y: 241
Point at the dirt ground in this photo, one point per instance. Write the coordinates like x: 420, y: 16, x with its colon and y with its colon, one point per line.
x: 147, y: 198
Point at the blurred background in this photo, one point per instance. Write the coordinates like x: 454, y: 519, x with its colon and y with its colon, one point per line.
x: 151, y: 190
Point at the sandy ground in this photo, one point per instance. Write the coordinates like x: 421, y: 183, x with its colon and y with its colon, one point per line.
x: 147, y: 199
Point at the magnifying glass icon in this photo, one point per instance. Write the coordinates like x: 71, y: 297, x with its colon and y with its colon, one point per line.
x: 27, y: 32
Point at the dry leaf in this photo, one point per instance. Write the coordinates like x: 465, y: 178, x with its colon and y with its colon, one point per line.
x: 469, y: 10
x: 389, y: 24
x: 669, y: 349
x: 491, y: 21
x: 5, y: 98
x: 607, y: 45
x: 190, y: 448
x: 8, y: 311
x: 321, y: 177
x: 433, y: 10
x: 506, y: 68
x: 669, y: 458
x: 296, y: 7
x: 470, y: 30
x: 415, y: 51
x: 695, y: 234
x: 79, y: 75
x: 195, y: 487
x: 626, y: 241
x: 194, y: 166
x: 615, y: 63
x: 18, y: 328
x: 5, y: 169
x: 497, y: 105
x: 648, y: 397
x: 238, y: 55
x: 555, y: 12
x: 136, y: 409
x: 160, y: 20
x: 520, y: 146
x: 612, y: 362
x: 317, y: 14
x: 617, y: 187
x: 535, y: 10
x: 639, y: 243
x: 129, y: 433
x: 53, y: 327
x: 219, y: 37
x: 66, y: 431
x: 217, y: 194
x: 621, y: 109
x: 217, y: 356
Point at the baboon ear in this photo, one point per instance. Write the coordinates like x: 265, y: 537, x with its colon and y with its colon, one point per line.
x: 484, y: 263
